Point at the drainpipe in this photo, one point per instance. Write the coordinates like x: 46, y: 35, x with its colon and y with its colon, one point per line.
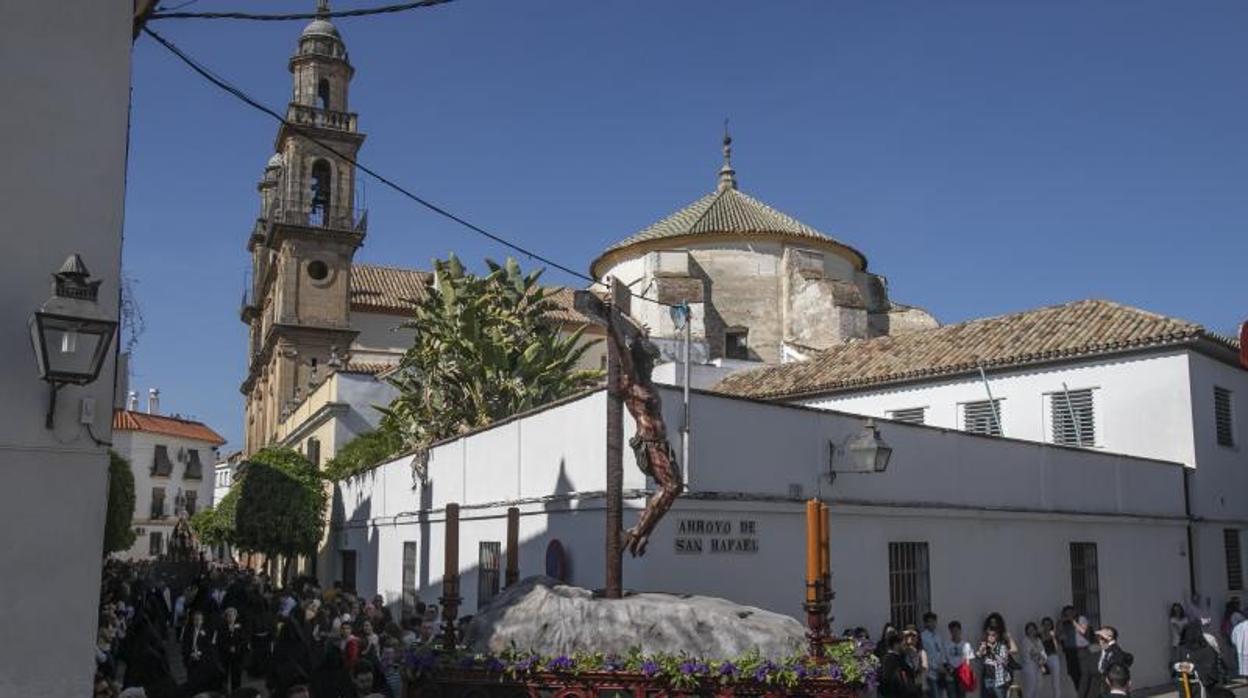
x: 1191, y: 548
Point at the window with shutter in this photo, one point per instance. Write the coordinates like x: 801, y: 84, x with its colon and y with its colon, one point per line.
x: 1234, y: 560
x: 194, y: 469
x: 1085, y: 587
x: 1223, y: 416
x: 1071, y: 418
x: 158, y: 502
x: 161, y: 465
x: 490, y: 555
x: 154, y: 543
x: 982, y: 417
x: 189, y: 500
x: 909, y: 583
x: 914, y: 415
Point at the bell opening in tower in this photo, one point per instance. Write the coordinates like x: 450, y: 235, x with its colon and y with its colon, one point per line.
x: 322, y: 174
x: 322, y: 94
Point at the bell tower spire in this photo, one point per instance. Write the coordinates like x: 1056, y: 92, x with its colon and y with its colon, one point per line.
x: 299, y: 305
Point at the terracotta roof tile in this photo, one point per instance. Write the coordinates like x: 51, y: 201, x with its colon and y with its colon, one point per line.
x: 386, y: 289
x: 127, y: 420
x: 1081, y: 328
x: 392, y: 290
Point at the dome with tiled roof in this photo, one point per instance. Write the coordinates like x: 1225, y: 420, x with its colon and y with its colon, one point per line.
x: 726, y: 212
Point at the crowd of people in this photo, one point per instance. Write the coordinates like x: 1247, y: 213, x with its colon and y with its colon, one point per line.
x: 932, y: 662
x: 234, y: 632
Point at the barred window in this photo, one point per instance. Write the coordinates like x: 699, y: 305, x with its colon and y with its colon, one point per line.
x: 161, y: 465
x: 1234, y: 560
x: 490, y: 555
x: 1085, y: 587
x: 1071, y: 418
x: 982, y: 417
x: 190, y: 499
x: 409, y: 577
x: 909, y: 583
x: 1223, y: 416
x: 154, y: 543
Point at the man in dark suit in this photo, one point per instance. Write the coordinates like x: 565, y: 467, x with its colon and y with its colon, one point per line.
x: 1117, y: 681
x: 1112, y: 654
x: 896, y: 679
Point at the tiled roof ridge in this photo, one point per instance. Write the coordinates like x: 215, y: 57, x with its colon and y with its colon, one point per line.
x: 132, y: 420
x: 390, y: 267
x: 802, y: 378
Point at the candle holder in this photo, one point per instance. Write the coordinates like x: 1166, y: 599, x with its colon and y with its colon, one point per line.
x: 450, y: 612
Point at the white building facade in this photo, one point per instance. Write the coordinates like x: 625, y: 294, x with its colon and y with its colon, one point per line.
x: 173, y: 461
x: 1095, y: 374
x: 945, y: 527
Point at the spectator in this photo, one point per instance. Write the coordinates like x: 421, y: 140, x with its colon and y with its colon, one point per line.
x: 896, y: 681
x: 1035, y: 660
x: 1048, y: 637
x: 1118, y: 681
x: 1178, y: 619
x: 881, y: 646
x: 1239, y: 639
x: 913, y: 656
x: 938, y: 675
x: 957, y: 653
x: 1111, y: 652
x: 994, y: 655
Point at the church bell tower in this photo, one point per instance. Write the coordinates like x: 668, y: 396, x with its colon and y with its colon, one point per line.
x: 298, y: 304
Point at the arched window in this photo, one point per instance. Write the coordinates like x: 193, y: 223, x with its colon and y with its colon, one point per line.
x: 322, y: 93
x: 322, y: 178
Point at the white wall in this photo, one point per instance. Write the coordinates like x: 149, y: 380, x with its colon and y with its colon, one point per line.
x: 1221, y: 477
x: 981, y: 504
x: 380, y: 338
x: 61, y: 187
x: 1141, y: 402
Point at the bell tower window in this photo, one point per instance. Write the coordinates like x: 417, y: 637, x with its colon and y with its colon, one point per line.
x: 322, y: 94
x: 322, y: 176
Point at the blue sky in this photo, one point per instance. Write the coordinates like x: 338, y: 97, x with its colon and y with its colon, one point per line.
x: 986, y: 156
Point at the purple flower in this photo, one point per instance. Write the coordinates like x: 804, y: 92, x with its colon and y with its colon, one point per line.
x: 524, y: 665
x: 763, y: 671
x: 493, y: 664
x: 834, y: 672
x: 560, y: 663
x: 649, y: 668
x: 871, y: 678
x: 801, y: 671
x: 728, y: 669
x: 692, y: 667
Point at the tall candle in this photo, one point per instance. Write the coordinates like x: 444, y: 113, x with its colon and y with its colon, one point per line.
x: 812, y: 550
x: 825, y: 563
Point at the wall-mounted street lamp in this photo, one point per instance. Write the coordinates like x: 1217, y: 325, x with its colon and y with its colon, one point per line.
x: 863, y: 452
x: 71, y: 334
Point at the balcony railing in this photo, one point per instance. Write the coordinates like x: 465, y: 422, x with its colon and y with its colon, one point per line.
x: 303, y: 115
x: 334, y: 217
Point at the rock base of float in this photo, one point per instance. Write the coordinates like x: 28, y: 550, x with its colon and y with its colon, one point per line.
x: 542, y: 615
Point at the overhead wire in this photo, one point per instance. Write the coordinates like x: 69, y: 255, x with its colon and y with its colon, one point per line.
x: 361, y: 12
x: 221, y: 83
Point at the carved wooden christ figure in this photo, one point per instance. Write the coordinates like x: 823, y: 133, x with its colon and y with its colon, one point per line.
x: 636, y: 356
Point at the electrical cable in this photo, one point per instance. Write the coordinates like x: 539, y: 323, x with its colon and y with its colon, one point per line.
x: 223, y: 84
x: 362, y: 12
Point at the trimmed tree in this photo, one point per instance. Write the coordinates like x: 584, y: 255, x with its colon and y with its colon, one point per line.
x: 485, y: 349
x: 118, y: 522
x: 279, y: 508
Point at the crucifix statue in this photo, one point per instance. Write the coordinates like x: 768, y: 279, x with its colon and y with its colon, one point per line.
x: 630, y: 362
